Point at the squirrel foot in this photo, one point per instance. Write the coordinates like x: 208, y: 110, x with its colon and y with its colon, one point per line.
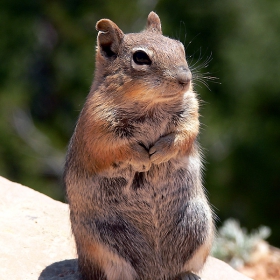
x: 163, y: 150
x: 190, y: 276
x: 141, y: 159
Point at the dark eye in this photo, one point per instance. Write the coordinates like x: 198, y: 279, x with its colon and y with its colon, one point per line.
x: 141, y: 58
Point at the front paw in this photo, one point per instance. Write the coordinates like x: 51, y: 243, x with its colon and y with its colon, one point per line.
x: 163, y: 150
x: 141, y: 159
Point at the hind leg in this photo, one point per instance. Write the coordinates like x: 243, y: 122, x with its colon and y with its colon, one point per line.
x: 89, y: 270
x: 197, y: 261
x: 97, y: 261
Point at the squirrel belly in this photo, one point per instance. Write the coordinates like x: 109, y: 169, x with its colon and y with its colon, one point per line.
x: 133, y: 170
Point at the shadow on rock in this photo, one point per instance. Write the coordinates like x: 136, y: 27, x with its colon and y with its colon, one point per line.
x: 67, y: 270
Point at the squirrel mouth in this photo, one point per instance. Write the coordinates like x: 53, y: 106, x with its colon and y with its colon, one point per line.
x: 175, y: 94
x: 185, y: 86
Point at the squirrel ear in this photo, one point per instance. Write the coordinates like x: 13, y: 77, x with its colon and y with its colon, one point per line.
x: 109, y: 37
x: 153, y: 23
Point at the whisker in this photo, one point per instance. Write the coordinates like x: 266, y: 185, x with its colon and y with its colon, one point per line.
x: 198, y: 61
x: 201, y: 78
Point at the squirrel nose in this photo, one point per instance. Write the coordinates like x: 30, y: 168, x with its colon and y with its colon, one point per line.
x: 184, y: 75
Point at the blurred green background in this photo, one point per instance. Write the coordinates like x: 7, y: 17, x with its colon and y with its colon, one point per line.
x: 47, y: 62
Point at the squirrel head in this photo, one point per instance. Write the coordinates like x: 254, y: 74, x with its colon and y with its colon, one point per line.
x: 145, y: 65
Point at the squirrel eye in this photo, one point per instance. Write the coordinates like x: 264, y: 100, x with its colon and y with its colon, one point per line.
x: 141, y: 58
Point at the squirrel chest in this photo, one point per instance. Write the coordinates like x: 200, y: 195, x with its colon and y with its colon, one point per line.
x: 132, y: 173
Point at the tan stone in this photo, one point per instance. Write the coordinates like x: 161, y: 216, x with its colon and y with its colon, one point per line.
x: 35, y: 232
x: 36, y: 240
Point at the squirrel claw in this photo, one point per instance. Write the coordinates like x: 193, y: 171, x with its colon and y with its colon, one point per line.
x: 162, y: 150
x: 141, y: 161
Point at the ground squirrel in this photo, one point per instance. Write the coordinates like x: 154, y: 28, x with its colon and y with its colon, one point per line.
x: 133, y: 170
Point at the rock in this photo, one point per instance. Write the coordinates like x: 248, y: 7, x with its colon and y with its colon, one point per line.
x: 35, y: 232
x: 215, y: 269
x: 36, y: 240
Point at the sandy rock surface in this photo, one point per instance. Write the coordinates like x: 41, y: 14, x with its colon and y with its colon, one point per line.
x: 35, y: 232
x: 36, y: 241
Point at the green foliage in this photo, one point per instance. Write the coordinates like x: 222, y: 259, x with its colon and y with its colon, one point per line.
x: 47, y: 65
x: 234, y: 245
